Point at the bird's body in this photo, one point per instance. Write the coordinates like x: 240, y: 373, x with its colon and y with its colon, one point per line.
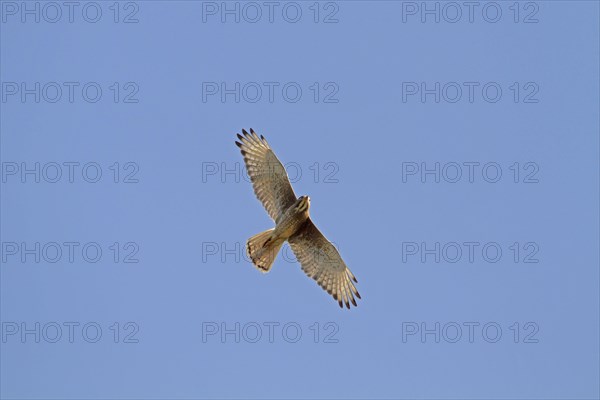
x: 317, y: 256
x: 292, y: 218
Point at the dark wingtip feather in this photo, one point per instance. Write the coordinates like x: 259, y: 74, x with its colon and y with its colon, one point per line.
x: 239, y: 136
x: 354, y: 302
x: 358, y: 295
x: 238, y: 144
x: 347, y: 305
x: 354, y: 279
x: 340, y: 303
x: 243, y: 152
x: 244, y: 132
x: 251, y: 130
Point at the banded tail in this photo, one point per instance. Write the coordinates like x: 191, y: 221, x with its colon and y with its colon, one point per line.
x: 262, y: 250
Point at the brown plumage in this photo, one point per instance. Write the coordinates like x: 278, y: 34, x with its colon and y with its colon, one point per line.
x: 318, y: 257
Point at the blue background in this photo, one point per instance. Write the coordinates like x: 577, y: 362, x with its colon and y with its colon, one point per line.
x: 173, y: 214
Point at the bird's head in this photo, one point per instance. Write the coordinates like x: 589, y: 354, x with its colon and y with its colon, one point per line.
x: 303, y: 204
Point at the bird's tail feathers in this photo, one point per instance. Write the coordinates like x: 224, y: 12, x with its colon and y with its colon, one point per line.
x: 262, y: 250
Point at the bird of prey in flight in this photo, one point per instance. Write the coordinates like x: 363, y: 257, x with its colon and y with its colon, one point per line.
x: 318, y: 257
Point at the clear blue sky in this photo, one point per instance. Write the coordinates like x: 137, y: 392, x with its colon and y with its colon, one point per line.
x: 360, y: 142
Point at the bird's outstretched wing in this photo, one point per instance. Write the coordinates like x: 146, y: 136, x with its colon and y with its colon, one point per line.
x: 321, y: 261
x: 269, y: 179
